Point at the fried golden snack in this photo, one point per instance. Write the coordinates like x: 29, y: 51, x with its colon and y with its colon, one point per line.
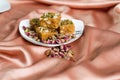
x: 67, y: 27
x: 45, y: 33
x: 50, y: 20
x: 35, y: 22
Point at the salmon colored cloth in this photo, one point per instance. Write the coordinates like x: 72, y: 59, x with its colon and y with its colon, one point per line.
x: 97, y: 52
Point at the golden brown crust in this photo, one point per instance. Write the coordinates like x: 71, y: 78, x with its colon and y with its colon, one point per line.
x: 50, y: 20
x: 67, y: 27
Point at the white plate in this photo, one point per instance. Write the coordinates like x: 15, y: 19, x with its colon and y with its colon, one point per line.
x: 79, y: 27
x: 4, y: 5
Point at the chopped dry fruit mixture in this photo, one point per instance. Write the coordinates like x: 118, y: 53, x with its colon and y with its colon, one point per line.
x: 62, y: 51
x: 53, y: 39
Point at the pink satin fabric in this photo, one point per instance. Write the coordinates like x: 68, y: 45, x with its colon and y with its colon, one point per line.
x: 97, y: 52
x: 84, y: 4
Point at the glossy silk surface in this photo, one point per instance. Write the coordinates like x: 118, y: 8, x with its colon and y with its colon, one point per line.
x: 97, y: 52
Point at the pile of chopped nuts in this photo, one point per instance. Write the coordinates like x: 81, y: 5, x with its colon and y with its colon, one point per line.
x: 62, y: 51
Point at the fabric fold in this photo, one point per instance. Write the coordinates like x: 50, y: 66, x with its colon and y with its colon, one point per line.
x: 85, y: 4
x: 96, y: 53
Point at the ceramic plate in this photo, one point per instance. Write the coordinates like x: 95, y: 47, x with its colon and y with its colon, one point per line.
x: 4, y: 5
x: 79, y: 28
